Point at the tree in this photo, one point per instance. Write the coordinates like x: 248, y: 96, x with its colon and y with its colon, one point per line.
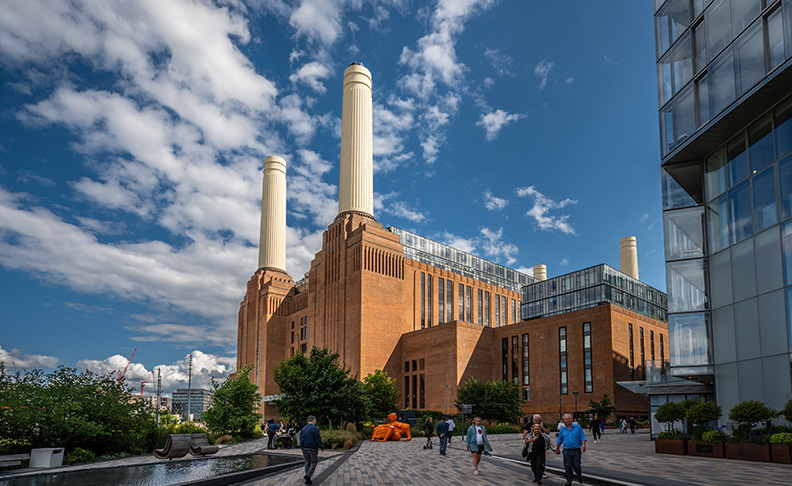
x: 318, y: 385
x: 233, y: 409
x: 747, y: 413
x: 603, y: 408
x: 70, y: 409
x: 670, y: 413
x: 700, y: 413
x: 493, y: 400
x: 381, y: 393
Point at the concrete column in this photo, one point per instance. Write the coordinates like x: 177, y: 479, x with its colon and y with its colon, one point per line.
x: 628, y: 256
x: 540, y: 272
x: 272, y: 239
x: 356, y: 183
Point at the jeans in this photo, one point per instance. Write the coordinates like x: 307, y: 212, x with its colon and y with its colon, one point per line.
x: 443, y: 443
x: 597, y: 433
x: 271, y: 436
x: 311, y: 460
x: 572, y: 462
x: 538, y: 464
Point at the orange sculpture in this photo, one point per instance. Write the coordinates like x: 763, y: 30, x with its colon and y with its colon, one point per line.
x: 391, y: 431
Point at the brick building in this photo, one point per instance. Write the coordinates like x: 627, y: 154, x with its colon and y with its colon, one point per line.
x: 429, y: 315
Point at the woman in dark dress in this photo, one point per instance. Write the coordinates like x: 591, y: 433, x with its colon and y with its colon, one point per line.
x: 538, y: 443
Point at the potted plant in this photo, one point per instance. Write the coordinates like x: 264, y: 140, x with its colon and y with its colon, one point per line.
x: 670, y: 441
x: 781, y: 447
x: 749, y: 446
x: 700, y: 414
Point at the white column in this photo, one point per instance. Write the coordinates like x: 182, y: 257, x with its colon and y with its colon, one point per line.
x: 540, y: 272
x: 356, y: 183
x: 272, y: 240
x: 628, y: 256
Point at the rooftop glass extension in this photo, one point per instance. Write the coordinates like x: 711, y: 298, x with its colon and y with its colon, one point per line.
x: 437, y: 254
x: 588, y: 288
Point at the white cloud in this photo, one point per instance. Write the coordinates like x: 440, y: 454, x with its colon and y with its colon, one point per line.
x: 542, y: 71
x: 465, y: 244
x: 570, y: 80
x: 494, y: 121
x: 389, y: 204
x: 489, y: 241
x: 311, y: 75
x: 494, y: 203
x: 610, y: 61
x: 644, y: 217
x: 18, y: 360
x: 319, y: 20
x: 563, y: 262
x: 541, y: 208
x: 175, y: 375
x: 501, y: 63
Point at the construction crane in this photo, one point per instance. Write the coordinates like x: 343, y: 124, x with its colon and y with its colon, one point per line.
x: 122, y: 373
x: 142, y: 384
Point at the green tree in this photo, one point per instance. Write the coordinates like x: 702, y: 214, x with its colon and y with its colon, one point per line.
x: 70, y: 409
x: 233, y: 409
x: 381, y: 393
x: 700, y: 413
x: 670, y: 413
x: 603, y: 408
x: 493, y: 400
x: 317, y: 384
x: 747, y: 413
x: 787, y: 411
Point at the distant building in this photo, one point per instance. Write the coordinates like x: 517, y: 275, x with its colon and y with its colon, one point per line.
x: 151, y: 401
x: 199, y: 400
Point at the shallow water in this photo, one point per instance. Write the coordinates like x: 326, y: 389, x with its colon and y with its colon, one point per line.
x: 160, y: 474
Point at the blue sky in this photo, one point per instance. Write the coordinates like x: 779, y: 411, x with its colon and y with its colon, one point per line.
x: 132, y: 135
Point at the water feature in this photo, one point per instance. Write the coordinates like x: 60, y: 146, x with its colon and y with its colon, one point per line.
x: 158, y: 474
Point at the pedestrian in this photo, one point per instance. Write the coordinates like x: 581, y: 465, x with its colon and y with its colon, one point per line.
x: 536, y: 419
x: 297, y: 428
x: 451, y: 427
x: 428, y: 430
x: 623, y: 425
x: 538, y: 443
x: 442, y: 433
x: 596, y: 431
x: 572, y: 437
x: 272, y: 429
x: 311, y: 444
x: 632, y: 425
x: 477, y: 443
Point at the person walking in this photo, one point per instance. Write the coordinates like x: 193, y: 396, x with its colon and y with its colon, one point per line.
x: 632, y: 425
x: 538, y: 443
x: 442, y: 433
x: 572, y: 437
x: 477, y: 443
x: 623, y: 426
x: 451, y: 427
x: 428, y: 430
x: 311, y: 444
x: 536, y: 419
x: 272, y: 429
x: 596, y: 430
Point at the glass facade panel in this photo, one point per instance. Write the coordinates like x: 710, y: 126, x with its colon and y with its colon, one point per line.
x: 699, y: 6
x: 682, y: 55
x: 441, y: 300
x: 486, y: 308
x: 702, y: 85
x: 449, y: 300
x: 789, y: 316
x: 689, y: 339
x: 740, y: 226
x: 423, y: 300
x: 721, y: 88
x: 764, y: 195
x: 744, y: 12
x: 462, y: 302
x: 783, y: 122
x: 526, y: 360
x: 700, y: 40
x: 719, y: 32
x: 667, y: 130
x: 760, y: 143
x: 429, y: 298
x: 737, y: 165
x: 749, y: 52
x: 684, y: 233
x: 480, y: 306
x: 715, y: 178
x: 775, y: 37
x: 785, y: 187
x: 685, y: 284
x: 685, y: 112
x: 786, y: 246
x: 673, y: 194
x: 664, y: 86
x: 467, y: 304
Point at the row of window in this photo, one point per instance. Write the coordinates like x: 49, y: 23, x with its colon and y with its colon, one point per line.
x: 720, y: 69
x: 444, y: 296
x: 303, y: 335
x: 414, y: 384
x: 642, y: 348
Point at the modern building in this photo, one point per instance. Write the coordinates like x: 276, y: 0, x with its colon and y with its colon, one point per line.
x: 430, y: 315
x: 724, y: 71
x: 190, y: 403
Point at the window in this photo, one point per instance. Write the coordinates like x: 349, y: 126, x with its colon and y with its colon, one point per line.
x: 749, y: 52
x: 422, y: 394
x: 643, y: 357
x: 587, y: 373
x: 785, y: 186
x: 718, y: 223
x: 525, y: 359
x: 505, y: 359
x: 775, y: 38
x: 737, y: 166
x: 662, y: 348
x: 441, y: 301
x: 651, y: 344
x: 292, y: 337
x: 497, y: 311
x: 462, y: 303
x: 740, y: 226
x: 449, y: 301
x: 414, y: 391
x: 760, y: 144
x: 514, y: 311
x: 486, y: 308
x: 421, y: 364
x: 406, y: 392
x: 632, y: 360
x: 722, y: 87
x: 719, y: 32
x: 406, y: 366
x: 515, y: 370
x: 414, y: 365
x: 423, y: 300
x: 764, y: 196
x: 467, y: 304
x: 504, y: 321
x: 429, y: 299
x: 480, y: 306
x: 562, y: 355
x: 303, y: 348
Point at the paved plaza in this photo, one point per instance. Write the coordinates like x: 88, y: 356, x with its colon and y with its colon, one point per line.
x: 618, y: 460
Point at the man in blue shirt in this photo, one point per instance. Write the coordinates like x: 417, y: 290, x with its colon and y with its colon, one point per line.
x: 442, y: 433
x: 310, y: 443
x: 574, y: 441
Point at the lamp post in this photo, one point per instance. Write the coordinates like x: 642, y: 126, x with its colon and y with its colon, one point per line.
x: 575, y: 395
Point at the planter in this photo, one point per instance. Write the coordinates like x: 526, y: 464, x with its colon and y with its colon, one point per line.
x: 748, y: 451
x: 671, y: 446
x: 705, y: 449
x: 782, y: 453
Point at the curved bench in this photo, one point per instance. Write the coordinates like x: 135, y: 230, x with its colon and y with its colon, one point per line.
x: 177, y: 445
x: 199, y: 445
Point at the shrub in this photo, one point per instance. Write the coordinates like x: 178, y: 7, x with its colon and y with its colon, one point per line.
x: 224, y: 439
x: 435, y: 414
x: 78, y: 455
x: 713, y: 436
x: 701, y: 412
x: 674, y: 435
x: 747, y: 413
x: 787, y: 411
x: 340, y: 438
x: 504, y: 429
x: 670, y: 413
x: 781, y: 438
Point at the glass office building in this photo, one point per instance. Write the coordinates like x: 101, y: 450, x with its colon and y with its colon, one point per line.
x: 195, y: 400
x: 437, y: 254
x: 724, y: 70
x: 590, y: 287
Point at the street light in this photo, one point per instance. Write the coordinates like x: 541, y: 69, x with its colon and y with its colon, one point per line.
x: 575, y: 394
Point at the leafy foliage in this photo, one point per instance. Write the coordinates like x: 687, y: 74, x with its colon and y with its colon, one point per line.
x: 70, y: 409
x: 233, y: 409
x: 787, y: 411
x: 781, y: 438
x: 713, y: 436
x: 318, y: 385
x: 493, y: 400
x: 670, y: 413
x: 746, y: 414
x: 381, y: 393
x: 603, y: 408
x: 675, y: 435
x: 700, y: 413
x: 78, y: 455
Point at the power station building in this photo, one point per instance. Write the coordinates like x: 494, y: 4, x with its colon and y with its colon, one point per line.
x: 433, y: 316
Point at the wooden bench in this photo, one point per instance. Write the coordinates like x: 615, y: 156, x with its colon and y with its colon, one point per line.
x: 13, y: 460
x: 177, y: 445
x: 199, y: 446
